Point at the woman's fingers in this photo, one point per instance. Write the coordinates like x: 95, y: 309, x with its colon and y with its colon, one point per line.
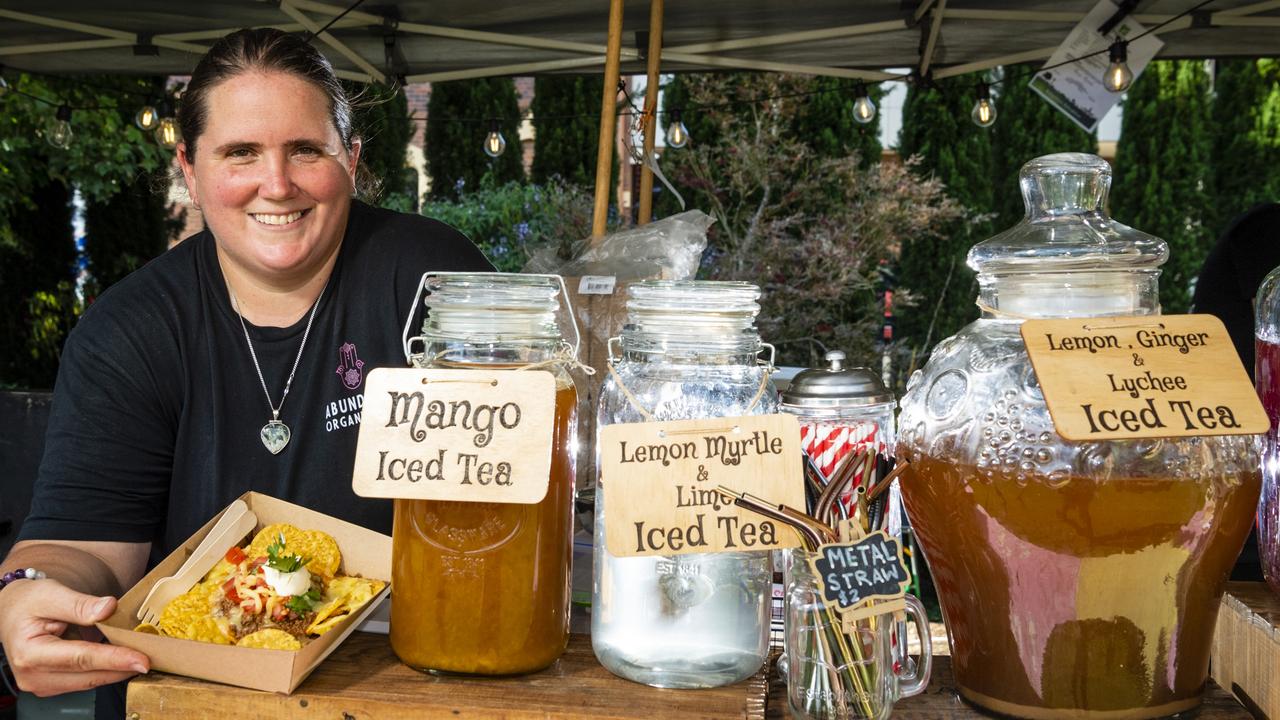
x: 49, y: 653
x: 45, y: 684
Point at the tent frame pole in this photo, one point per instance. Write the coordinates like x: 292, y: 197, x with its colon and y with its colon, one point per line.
x: 651, y: 109
x: 608, y: 122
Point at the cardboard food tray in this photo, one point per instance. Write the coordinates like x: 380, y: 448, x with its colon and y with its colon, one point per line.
x: 364, y: 553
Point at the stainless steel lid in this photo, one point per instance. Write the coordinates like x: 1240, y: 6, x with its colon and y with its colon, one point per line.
x: 836, y: 386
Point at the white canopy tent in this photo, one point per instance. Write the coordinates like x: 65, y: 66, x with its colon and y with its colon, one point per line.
x: 452, y: 39
x: 440, y: 40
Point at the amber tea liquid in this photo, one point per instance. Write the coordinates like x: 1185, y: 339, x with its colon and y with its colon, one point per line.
x: 1094, y: 595
x: 483, y: 588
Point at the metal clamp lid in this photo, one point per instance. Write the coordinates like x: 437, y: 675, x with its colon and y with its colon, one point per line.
x: 407, y: 342
x: 836, y: 386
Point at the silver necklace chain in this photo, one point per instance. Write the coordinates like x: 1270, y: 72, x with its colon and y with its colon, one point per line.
x: 275, y: 410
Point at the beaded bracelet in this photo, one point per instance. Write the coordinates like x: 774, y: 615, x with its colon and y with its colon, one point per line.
x: 20, y: 574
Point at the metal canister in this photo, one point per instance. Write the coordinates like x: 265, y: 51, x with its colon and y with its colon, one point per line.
x: 843, y: 412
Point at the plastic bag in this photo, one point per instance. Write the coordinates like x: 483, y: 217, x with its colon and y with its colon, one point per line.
x: 667, y: 249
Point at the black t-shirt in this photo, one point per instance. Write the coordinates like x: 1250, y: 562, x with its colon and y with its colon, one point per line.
x: 158, y: 407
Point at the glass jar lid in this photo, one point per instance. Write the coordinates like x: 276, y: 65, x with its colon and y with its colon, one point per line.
x: 492, y: 307
x: 1066, y: 227
x: 709, y: 315
x: 836, y: 386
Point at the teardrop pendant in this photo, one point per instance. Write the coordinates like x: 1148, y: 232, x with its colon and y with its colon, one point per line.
x: 275, y: 435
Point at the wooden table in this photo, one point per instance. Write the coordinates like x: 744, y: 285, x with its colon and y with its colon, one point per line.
x: 363, y: 680
x: 940, y: 700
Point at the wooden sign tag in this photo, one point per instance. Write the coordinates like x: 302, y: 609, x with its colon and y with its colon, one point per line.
x: 861, y: 572
x: 659, y: 481
x: 466, y: 435
x: 1152, y: 376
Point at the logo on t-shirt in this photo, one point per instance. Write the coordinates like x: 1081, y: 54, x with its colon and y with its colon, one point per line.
x: 350, y: 367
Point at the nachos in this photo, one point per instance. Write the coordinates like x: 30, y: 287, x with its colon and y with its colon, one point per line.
x: 277, y: 592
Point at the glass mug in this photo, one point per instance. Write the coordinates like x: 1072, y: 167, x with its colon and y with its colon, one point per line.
x: 833, y: 675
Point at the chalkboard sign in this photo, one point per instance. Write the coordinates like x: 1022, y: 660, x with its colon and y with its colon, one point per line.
x: 858, y: 572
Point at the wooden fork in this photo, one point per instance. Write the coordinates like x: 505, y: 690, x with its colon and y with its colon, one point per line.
x: 234, y: 524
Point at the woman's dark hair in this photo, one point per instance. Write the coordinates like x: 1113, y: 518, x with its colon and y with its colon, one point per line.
x: 268, y: 50
x: 263, y: 50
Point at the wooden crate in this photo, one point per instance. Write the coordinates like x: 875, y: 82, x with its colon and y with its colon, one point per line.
x: 1246, y: 647
x: 363, y: 680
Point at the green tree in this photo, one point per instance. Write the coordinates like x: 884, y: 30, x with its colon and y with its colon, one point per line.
x: 1027, y: 127
x: 125, y: 231
x: 131, y: 225
x: 824, y: 120
x: 1246, y: 138
x: 937, y: 129
x: 108, y: 155
x: 810, y: 230
x: 567, y: 130
x: 1162, y: 170
x: 36, y: 254
x: 383, y: 124
x: 459, y: 114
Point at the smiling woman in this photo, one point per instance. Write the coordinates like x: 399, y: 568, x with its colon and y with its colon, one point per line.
x: 273, y: 314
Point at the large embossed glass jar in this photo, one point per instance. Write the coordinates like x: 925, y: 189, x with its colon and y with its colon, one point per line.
x: 1267, y: 381
x: 483, y: 588
x: 1078, y: 579
x: 689, y: 351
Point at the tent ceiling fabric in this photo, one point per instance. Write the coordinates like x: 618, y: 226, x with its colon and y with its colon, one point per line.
x: 445, y: 39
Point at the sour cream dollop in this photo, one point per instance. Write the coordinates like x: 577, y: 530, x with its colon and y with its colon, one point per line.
x: 297, y: 582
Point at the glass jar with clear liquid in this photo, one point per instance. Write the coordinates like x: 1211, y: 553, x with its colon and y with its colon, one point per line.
x: 689, y: 351
x: 1079, y: 580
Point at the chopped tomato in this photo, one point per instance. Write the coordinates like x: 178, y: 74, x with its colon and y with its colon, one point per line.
x: 229, y: 587
x: 235, y: 555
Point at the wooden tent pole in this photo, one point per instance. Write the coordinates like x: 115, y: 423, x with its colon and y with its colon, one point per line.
x: 651, y: 108
x: 608, y: 120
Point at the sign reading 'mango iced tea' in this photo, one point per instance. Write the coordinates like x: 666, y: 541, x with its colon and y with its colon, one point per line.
x: 468, y: 435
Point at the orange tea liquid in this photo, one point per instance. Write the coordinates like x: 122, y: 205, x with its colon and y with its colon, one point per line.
x: 1086, y: 599
x: 484, y: 588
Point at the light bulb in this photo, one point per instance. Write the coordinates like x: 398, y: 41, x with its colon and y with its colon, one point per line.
x: 60, y: 134
x: 677, y: 134
x: 147, y: 118
x: 984, y: 111
x: 167, y: 133
x: 494, y: 143
x: 1119, y: 76
x: 864, y: 111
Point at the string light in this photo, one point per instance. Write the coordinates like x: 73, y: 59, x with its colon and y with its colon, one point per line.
x: 147, y: 118
x: 59, y: 134
x: 864, y: 111
x: 494, y: 143
x: 1119, y: 76
x: 677, y: 134
x: 984, y: 111
x: 166, y: 133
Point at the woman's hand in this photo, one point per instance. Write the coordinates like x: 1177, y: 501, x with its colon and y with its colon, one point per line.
x: 35, y: 615
x: 46, y: 626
